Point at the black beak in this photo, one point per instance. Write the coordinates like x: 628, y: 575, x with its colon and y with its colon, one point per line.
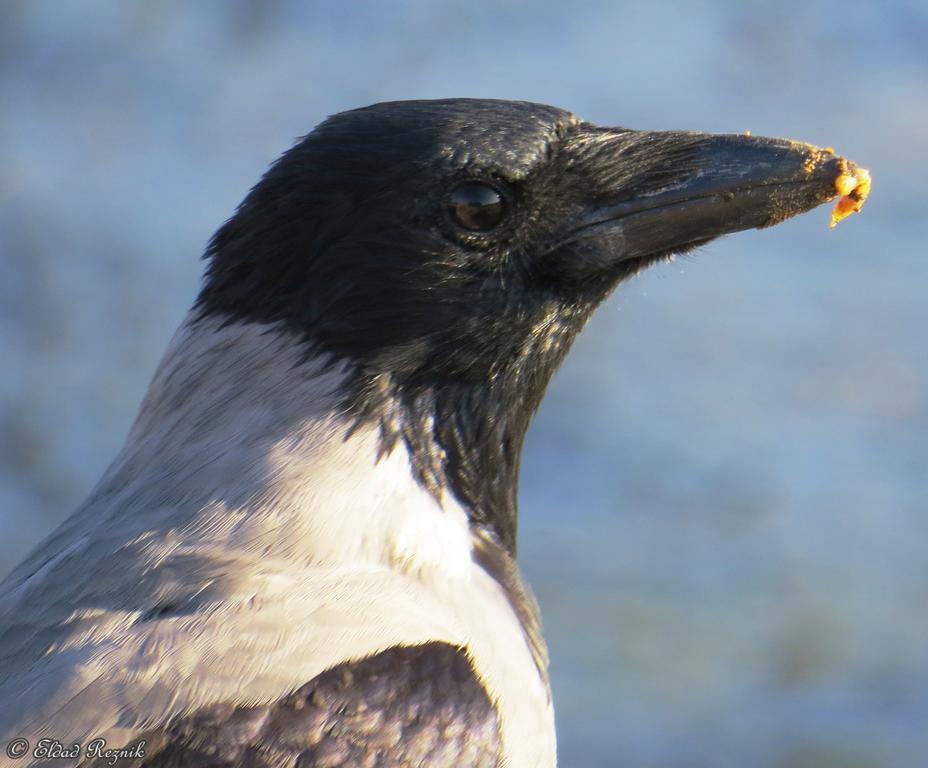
x: 700, y: 186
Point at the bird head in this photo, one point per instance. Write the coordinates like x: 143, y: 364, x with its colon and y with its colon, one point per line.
x: 452, y: 250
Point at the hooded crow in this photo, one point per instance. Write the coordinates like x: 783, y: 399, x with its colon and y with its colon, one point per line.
x: 305, y: 553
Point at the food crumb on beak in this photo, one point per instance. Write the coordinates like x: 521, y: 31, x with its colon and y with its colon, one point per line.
x: 853, y: 186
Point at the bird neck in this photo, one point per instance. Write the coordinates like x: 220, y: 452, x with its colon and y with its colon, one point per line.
x: 263, y: 449
x: 247, y: 390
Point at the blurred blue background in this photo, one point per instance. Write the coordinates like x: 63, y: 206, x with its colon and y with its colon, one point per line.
x: 724, y: 494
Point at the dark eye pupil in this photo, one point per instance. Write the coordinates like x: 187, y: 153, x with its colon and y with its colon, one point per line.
x: 476, y: 206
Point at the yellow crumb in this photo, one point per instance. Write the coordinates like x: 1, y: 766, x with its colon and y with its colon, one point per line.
x: 853, y: 188
x: 845, y: 184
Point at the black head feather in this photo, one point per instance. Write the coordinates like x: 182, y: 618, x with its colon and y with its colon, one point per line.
x: 352, y: 240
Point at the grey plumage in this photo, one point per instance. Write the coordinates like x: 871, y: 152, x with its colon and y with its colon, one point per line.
x: 158, y: 599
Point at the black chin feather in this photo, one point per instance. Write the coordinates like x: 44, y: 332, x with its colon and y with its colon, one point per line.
x: 464, y: 436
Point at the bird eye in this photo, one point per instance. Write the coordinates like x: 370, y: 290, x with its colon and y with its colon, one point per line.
x: 476, y: 206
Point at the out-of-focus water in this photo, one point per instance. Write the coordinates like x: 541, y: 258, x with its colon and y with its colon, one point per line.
x: 724, y: 494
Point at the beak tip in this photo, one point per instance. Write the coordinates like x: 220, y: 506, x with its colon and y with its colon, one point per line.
x: 849, y: 182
